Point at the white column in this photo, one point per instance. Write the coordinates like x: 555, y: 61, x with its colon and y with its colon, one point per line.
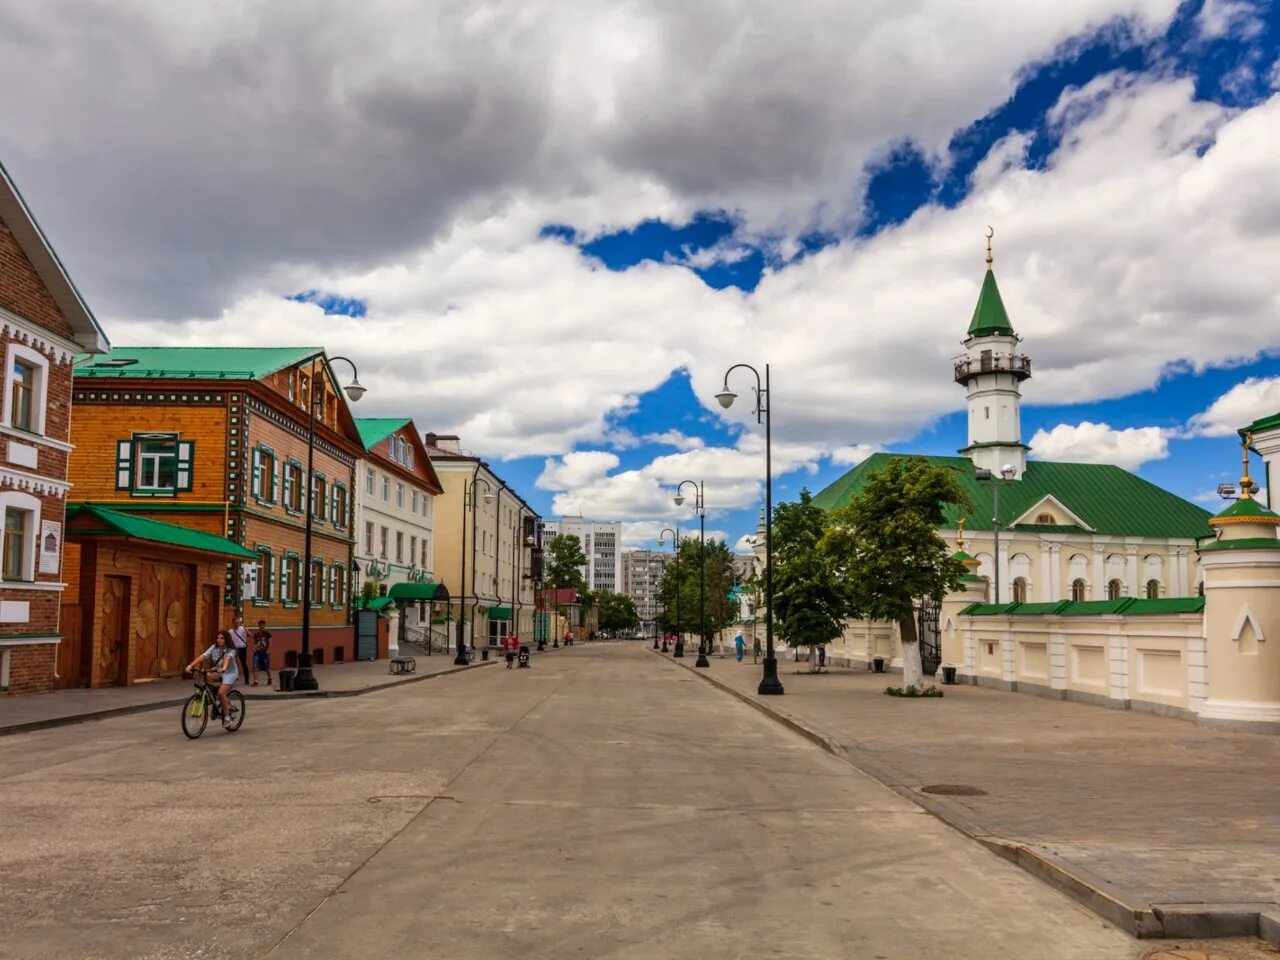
x: 1057, y: 661
x: 1131, y: 571
x: 1046, y: 577
x: 1006, y: 587
x: 1099, y: 572
x: 1118, y: 661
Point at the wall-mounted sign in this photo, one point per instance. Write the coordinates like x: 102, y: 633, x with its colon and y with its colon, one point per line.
x: 50, y: 545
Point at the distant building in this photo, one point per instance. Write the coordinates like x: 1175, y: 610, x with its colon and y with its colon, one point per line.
x: 601, y: 542
x: 743, y: 564
x: 642, y: 573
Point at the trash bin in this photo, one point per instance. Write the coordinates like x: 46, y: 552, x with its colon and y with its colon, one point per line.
x: 949, y: 674
x: 484, y: 653
x: 286, y: 679
x: 877, y: 664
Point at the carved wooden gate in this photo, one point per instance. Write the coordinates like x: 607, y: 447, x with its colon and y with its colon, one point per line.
x: 164, y: 619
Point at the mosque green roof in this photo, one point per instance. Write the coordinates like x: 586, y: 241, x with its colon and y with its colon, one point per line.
x: 989, y: 317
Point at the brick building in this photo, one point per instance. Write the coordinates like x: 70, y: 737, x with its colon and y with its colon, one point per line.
x: 44, y: 324
x: 214, y: 440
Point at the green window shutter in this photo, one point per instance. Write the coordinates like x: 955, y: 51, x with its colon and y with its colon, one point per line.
x: 186, y: 450
x: 288, y: 488
x: 124, y: 464
x: 255, y: 484
x: 334, y: 518
x: 275, y: 479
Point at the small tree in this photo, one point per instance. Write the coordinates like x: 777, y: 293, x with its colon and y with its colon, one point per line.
x: 885, y: 546
x: 809, y: 599
x: 565, y: 561
x: 617, y: 612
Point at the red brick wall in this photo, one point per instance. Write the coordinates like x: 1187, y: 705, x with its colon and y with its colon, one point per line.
x: 21, y: 289
x: 31, y: 667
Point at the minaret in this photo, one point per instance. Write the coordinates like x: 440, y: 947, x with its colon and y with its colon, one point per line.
x: 990, y: 371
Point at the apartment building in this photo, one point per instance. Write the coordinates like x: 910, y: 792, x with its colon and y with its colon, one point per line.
x: 642, y: 573
x: 601, y: 542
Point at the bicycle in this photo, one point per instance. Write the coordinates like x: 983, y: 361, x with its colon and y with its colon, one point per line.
x: 204, y: 703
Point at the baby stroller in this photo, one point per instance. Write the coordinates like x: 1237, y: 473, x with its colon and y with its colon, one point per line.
x: 522, y: 658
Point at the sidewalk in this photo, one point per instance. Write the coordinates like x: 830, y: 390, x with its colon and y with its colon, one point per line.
x: 35, y: 712
x: 1162, y: 826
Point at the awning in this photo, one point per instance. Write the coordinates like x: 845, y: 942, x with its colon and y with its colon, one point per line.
x: 378, y: 603
x: 86, y: 521
x: 418, y: 591
x: 499, y: 613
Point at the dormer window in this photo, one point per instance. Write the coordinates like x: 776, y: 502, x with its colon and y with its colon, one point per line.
x: 1045, y: 518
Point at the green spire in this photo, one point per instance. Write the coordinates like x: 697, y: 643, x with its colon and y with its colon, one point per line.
x: 989, y: 317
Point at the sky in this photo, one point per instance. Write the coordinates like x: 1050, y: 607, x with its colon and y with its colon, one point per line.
x: 550, y: 226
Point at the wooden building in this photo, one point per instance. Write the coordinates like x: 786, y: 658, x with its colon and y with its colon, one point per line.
x: 44, y: 324
x: 215, y: 440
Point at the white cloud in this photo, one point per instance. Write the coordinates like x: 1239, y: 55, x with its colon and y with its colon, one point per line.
x: 575, y: 469
x: 746, y: 543
x: 1238, y: 18
x: 1099, y: 443
x: 1244, y: 403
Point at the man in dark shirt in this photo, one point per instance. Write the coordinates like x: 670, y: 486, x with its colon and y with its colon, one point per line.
x: 261, y: 652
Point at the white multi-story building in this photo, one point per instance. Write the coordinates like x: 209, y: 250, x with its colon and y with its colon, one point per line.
x: 642, y: 573
x: 601, y: 542
x: 395, y: 517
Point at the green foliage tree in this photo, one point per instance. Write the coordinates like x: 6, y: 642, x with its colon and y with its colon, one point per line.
x: 884, y: 545
x: 810, y: 600
x: 565, y: 561
x: 617, y: 612
x: 681, y: 577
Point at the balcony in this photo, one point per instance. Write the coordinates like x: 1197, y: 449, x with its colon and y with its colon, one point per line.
x: 966, y: 368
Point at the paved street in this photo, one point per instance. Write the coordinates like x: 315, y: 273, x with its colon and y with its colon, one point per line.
x: 605, y: 803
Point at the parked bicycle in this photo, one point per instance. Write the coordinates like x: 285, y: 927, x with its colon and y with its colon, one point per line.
x: 203, y: 704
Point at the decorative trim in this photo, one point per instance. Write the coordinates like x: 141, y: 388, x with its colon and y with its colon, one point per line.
x: 287, y: 423
x: 1246, y: 616
x: 50, y: 586
x: 39, y: 438
x: 38, y: 338
x: 1228, y: 521
x: 33, y: 483
x: 31, y: 640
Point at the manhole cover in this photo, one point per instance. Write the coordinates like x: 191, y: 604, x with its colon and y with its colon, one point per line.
x: 1180, y: 953
x: 953, y: 790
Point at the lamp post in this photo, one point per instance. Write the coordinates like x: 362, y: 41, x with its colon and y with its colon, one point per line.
x: 469, y: 503
x: 770, y: 685
x: 700, y: 507
x: 1007, y: 472
x: 675, y: 562
x: 305, y: 678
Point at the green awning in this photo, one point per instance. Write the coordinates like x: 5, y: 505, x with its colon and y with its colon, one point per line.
x: 378, y: 603
x: 499, y: 613
x: 86, y: 520
x: 418, y: 591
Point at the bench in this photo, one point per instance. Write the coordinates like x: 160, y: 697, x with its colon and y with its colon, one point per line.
x: 403, y: 665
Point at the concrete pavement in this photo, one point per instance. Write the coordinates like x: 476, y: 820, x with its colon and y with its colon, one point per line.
x: 602, y: 804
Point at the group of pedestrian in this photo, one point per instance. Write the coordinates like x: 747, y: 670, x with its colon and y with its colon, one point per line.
x: 740, y: 648
x: 261, y: 645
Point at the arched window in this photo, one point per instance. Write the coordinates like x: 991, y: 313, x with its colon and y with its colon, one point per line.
x: 1153, y: 589
x: 1113, y: 589
x: 1077, y: 590
x: 986, y: 590
x: 1019, y: 590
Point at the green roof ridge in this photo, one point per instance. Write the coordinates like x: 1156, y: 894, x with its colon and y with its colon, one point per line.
x: 157, y: 531
x: 190, y: 363
x: 1249, y: 508
x: 373, y: 430
x: 989, y: 316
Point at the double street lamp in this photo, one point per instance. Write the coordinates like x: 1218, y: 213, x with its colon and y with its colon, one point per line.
x: 305, y: 678
x: 700, y: 508
x: 675, y: 560
x: 1007, y: 472
x: 770, y: 685
x: 469, y: 503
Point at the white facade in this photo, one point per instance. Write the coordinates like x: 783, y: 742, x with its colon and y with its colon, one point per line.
x: 601, y: 542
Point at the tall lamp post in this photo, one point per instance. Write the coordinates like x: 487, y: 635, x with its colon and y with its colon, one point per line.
x: 1007, y: 472
x: 305, y: 678
x: 469, y: 503
x: 700, y: 508
x: 675, y: 562
x: 770, y: 685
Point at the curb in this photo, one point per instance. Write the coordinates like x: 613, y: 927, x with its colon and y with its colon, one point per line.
x: 107, y: 714
x: 1151, y: 921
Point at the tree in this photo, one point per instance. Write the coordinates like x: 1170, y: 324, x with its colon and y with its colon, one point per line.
x: 565, y: 561
x: 681, y: 577
x: 617, y: 612
x: 885, y: 547
x: 809, y: 598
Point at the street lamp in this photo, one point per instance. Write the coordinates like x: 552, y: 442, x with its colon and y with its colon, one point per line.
x: 1008, y: 472
x: 770, y: 685
x: 675, y: 561
x: 699, y: 507
x: 305, y: 678
x: 469, y: 503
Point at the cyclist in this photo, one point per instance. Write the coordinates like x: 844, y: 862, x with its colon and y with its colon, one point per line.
x: 219, y: 662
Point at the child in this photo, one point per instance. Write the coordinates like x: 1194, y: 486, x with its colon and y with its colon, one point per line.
x: 261, y: 652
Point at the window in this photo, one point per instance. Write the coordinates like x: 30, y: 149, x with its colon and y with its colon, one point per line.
x: 1153, y: 589
x: 386, y: 489
x: 1044, y: 518
x: 26, y: 380
x: 337, y: 586
x: 293, y: 393
x: 154, y: 464
x: 413, y: 549
x: 317, y: 581
x: 15, y: 544
x: 368, y: 538
x: 400, y: 495
x: 304, y: 390
x: 383, y: 538
x: 338, y: 508
x: 1077, y: 590
x: 1019, y: 590
x: 370, y: 481
x: 319, y: 495
x: 424, y: 553
x: 414, y: 501
x: 264, y: 475
x: 262, y: 597
x: 290, y: 579
x: 399, y: 547
x: 293, y: 479
x: 1113, y: 590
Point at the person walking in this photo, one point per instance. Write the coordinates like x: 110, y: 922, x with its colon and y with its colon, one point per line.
x: 240, y: 640
x: 755, y: 649
x: 739, y: 646
x: 510, y: 646
x: 822, y: 657
x: 261, y: 652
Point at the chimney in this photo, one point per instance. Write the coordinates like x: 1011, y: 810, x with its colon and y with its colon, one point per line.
x: 446, y: 441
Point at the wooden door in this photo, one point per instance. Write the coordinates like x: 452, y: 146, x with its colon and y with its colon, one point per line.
x: 210, y: 615
x: 113, y: 651
x: 164, y: 619
x: 70, y: 652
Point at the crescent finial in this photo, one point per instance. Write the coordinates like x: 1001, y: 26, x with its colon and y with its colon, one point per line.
x: 990, y: 233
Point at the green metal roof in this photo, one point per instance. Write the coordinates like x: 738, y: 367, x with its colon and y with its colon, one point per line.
x: 1249, y: 508
x: 373, y: 430
x: 191, y: 363
x: 1129, y: 606
x: 379, y: 603
x: 1110, y: 500
x: 418, y: 591
x: 989, y: 316
x: 1244, y: 543
x: 1265, y: 423
x: 121, y: 524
